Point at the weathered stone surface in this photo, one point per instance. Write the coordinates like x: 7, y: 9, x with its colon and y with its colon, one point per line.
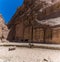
x: 3, y: 29
x: 4, y: 40
x: 5, y: 32
x: 30, y: 16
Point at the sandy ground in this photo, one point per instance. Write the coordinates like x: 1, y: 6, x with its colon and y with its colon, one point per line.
x: 21, y: 54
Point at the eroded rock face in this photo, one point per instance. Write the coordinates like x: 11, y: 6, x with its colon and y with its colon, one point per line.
x: 3, y: 29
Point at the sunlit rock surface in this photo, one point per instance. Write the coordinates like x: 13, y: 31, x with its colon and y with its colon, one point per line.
x: 3, y: 29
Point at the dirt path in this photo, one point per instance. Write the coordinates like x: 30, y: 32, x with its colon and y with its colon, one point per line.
x: 29, y: 55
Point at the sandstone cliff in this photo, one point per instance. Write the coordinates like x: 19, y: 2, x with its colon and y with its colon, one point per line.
x: 3, y: 30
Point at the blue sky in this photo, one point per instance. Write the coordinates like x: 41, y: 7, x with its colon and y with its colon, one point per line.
x: 8, y: 8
